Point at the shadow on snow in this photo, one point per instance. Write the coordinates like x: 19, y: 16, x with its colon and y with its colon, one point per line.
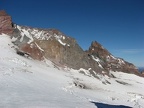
x: 102, y: 105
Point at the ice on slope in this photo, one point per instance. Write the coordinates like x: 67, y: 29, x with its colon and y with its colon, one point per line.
x: 97, y: 60
x: 39, y: 47
x: 59, y: 39
x: 25, y: 33
x: 28, y: 83
x: 39, y: 34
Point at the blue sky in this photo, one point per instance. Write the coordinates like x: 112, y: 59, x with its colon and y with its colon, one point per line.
x: 117, y: 24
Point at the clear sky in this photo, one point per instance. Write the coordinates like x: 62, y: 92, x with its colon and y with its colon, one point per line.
x: 117, y: 24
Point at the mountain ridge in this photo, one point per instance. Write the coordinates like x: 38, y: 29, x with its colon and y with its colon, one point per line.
x: 64, y: 51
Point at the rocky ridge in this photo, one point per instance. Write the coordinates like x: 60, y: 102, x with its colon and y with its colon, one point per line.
x: 53, y: 45
x: 41, y: 44
x: 108, y: 61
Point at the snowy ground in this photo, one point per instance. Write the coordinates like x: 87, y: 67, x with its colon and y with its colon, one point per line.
x: 26, y: 83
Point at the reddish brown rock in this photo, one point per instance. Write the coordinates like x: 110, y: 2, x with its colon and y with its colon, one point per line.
x: 5, y: 23
x: 109, y: 62
x: 98, y: 50
x: 32, y: 50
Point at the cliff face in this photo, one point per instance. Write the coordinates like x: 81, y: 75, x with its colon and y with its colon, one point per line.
x: 5, y: 23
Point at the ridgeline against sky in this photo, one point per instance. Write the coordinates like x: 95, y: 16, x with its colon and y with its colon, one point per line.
x: 116, y: 24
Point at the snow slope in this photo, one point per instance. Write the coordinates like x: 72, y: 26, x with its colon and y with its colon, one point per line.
x: 27, y: 83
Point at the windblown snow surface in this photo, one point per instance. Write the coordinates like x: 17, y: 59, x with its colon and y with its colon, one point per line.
x: 27, y: 83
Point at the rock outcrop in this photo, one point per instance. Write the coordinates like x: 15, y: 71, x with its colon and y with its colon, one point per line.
x: 6, y: 25
x: 108, y: 61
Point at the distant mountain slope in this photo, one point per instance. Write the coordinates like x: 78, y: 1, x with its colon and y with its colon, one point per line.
x: 64, y: 51
x: 108, y: 61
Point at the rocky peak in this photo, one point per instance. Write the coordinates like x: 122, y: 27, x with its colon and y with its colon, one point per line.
x: 108, y: 61
x: 98, y: 50
x: 6, y: 25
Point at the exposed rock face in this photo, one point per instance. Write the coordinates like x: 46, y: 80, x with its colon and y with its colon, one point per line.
x: 5, y: 23
x: 32, y: 50
x: 64, y: 51
x: 108, y: 61
x: 53, y: 45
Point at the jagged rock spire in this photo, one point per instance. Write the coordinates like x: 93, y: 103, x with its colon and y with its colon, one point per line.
x: 108, y: 61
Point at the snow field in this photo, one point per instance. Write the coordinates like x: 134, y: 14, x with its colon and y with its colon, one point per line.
x: 26, y: 83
